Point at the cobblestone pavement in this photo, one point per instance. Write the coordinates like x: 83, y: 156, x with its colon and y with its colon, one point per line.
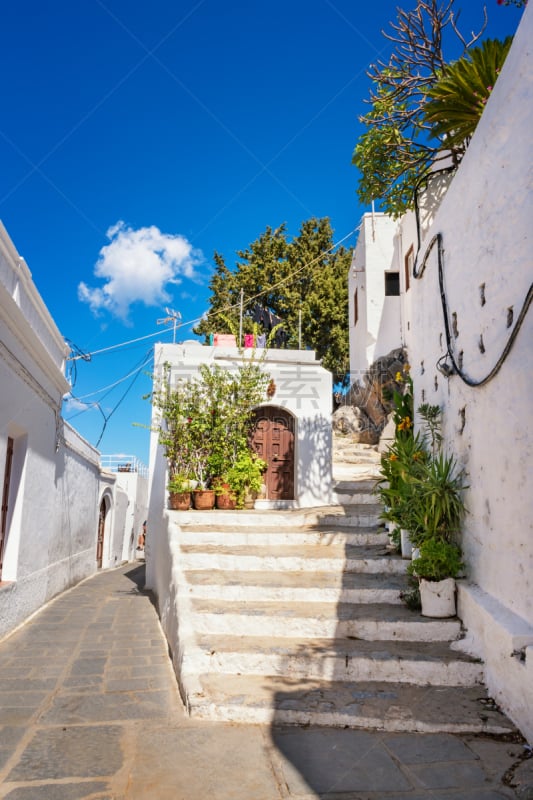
x: 89, y: 708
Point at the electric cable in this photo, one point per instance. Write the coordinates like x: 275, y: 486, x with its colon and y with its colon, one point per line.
x: 136, y: 372
x: 437, y: 239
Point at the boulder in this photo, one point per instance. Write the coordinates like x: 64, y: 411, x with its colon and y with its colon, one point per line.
x: 368, y: 403
x: 352, y: 421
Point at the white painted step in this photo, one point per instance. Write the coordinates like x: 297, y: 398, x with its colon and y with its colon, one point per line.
x: 365, y: 514
x: 359, y: 491
x: 431, y: 664
x: 371, y: 705
x: 322, y: 587
x: 319, y: 620
x: 310, y: 558
x: 231, y: 535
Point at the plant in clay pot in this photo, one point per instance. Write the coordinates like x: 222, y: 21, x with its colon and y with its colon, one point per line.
x: 245, y: 477
x: 204, y: 421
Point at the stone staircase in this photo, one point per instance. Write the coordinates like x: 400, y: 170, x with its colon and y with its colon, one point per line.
x: 294, y: 617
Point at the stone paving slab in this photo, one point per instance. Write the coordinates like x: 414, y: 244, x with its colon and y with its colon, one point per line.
x: 105, y: 722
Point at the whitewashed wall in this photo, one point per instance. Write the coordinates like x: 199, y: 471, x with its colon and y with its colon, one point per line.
x: 485, y: 222
x: 377, y: 330
x: 55, y: 488
x: 128, y: 498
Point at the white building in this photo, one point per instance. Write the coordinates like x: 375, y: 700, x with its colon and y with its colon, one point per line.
x: 472, y: 301
x: 373, y: 293
x: 58, y: 520
x: 301, y: 405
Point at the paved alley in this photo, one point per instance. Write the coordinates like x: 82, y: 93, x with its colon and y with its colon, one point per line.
x: 89, y: 708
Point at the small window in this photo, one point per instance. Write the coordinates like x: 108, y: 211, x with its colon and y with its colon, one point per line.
x: 355, y: 308
x: 409, y: 264
x: 392, y: 284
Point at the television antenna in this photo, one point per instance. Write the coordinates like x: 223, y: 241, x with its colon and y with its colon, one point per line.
x: 173, y: 318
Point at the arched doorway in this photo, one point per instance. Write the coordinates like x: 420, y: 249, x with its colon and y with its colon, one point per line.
x: 101, y: 530
x: 273, y: 440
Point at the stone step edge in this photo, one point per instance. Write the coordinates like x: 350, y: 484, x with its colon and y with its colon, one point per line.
x: 296, y: 517
x: 363, y: 537
x: 250, y: 563
x: 218, y: 624
x: 339, y: 667
x: 288, y: 594
x: 199, y: 706
x: 219, y: 712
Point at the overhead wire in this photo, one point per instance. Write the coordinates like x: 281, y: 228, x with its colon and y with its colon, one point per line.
x: 107, y: 389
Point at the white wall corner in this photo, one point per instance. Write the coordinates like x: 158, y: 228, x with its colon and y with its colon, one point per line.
x: 504, y: 642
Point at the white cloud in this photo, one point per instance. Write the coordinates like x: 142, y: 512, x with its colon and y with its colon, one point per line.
x: 138, y: 266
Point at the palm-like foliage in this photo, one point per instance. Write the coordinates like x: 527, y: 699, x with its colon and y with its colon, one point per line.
x: 457, y: 100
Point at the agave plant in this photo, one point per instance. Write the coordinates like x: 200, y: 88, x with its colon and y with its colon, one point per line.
x: 436, y: 500
x: 455, y: 103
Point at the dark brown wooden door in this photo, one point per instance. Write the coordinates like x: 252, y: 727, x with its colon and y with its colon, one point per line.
x: 5, y: 499
x: 273, y: 440
x: 100, y: 539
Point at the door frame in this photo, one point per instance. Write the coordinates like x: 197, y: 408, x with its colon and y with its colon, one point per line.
x: 292, y: 419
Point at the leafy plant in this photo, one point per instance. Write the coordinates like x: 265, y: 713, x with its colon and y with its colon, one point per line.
x: 457, y: 100
x: 180, y: 484
x: 431, y: 417
x: 437, y: 492
x: 205, y: 420
x: 420, y: 487
x: 246, y: 475
x: 395, y: 151
x: 399, y: 466
x: 437, y: 561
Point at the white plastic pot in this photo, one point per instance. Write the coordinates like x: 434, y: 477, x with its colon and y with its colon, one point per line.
x: 405, y: 540
x: 438, y: 598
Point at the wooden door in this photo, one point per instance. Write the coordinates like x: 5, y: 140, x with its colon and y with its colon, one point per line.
x: 273, y: 440
x: 5, y: 499
x: 100, y: 539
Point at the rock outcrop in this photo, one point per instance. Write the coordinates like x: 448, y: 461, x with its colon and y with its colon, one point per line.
x: 365, y: 408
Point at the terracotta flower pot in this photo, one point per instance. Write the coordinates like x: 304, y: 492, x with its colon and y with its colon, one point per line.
x: 203, y: 499
x: 225, y: 500
x: 179, y: 501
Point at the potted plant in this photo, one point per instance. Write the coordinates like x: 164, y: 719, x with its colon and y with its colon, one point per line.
x: 245, y: 477
x: 204, y: 423
x: 436, y: 568
x: 437, y: 505
x: 399, y: 468
x: 179, y: 490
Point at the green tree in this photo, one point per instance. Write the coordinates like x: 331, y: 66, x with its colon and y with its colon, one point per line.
x: 395, y: 150
x: 305, y: 276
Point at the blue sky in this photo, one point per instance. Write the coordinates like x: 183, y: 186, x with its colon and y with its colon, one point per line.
x: 138, y: 138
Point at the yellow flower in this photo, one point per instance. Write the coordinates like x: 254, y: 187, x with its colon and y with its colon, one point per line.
x: 407, y: 369
x: 405, y: 424
x: 417, y: 455
x: 393, y: 457
x: 398, y: 378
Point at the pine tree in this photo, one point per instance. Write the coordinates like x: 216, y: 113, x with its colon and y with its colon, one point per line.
x: 302, y: 279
